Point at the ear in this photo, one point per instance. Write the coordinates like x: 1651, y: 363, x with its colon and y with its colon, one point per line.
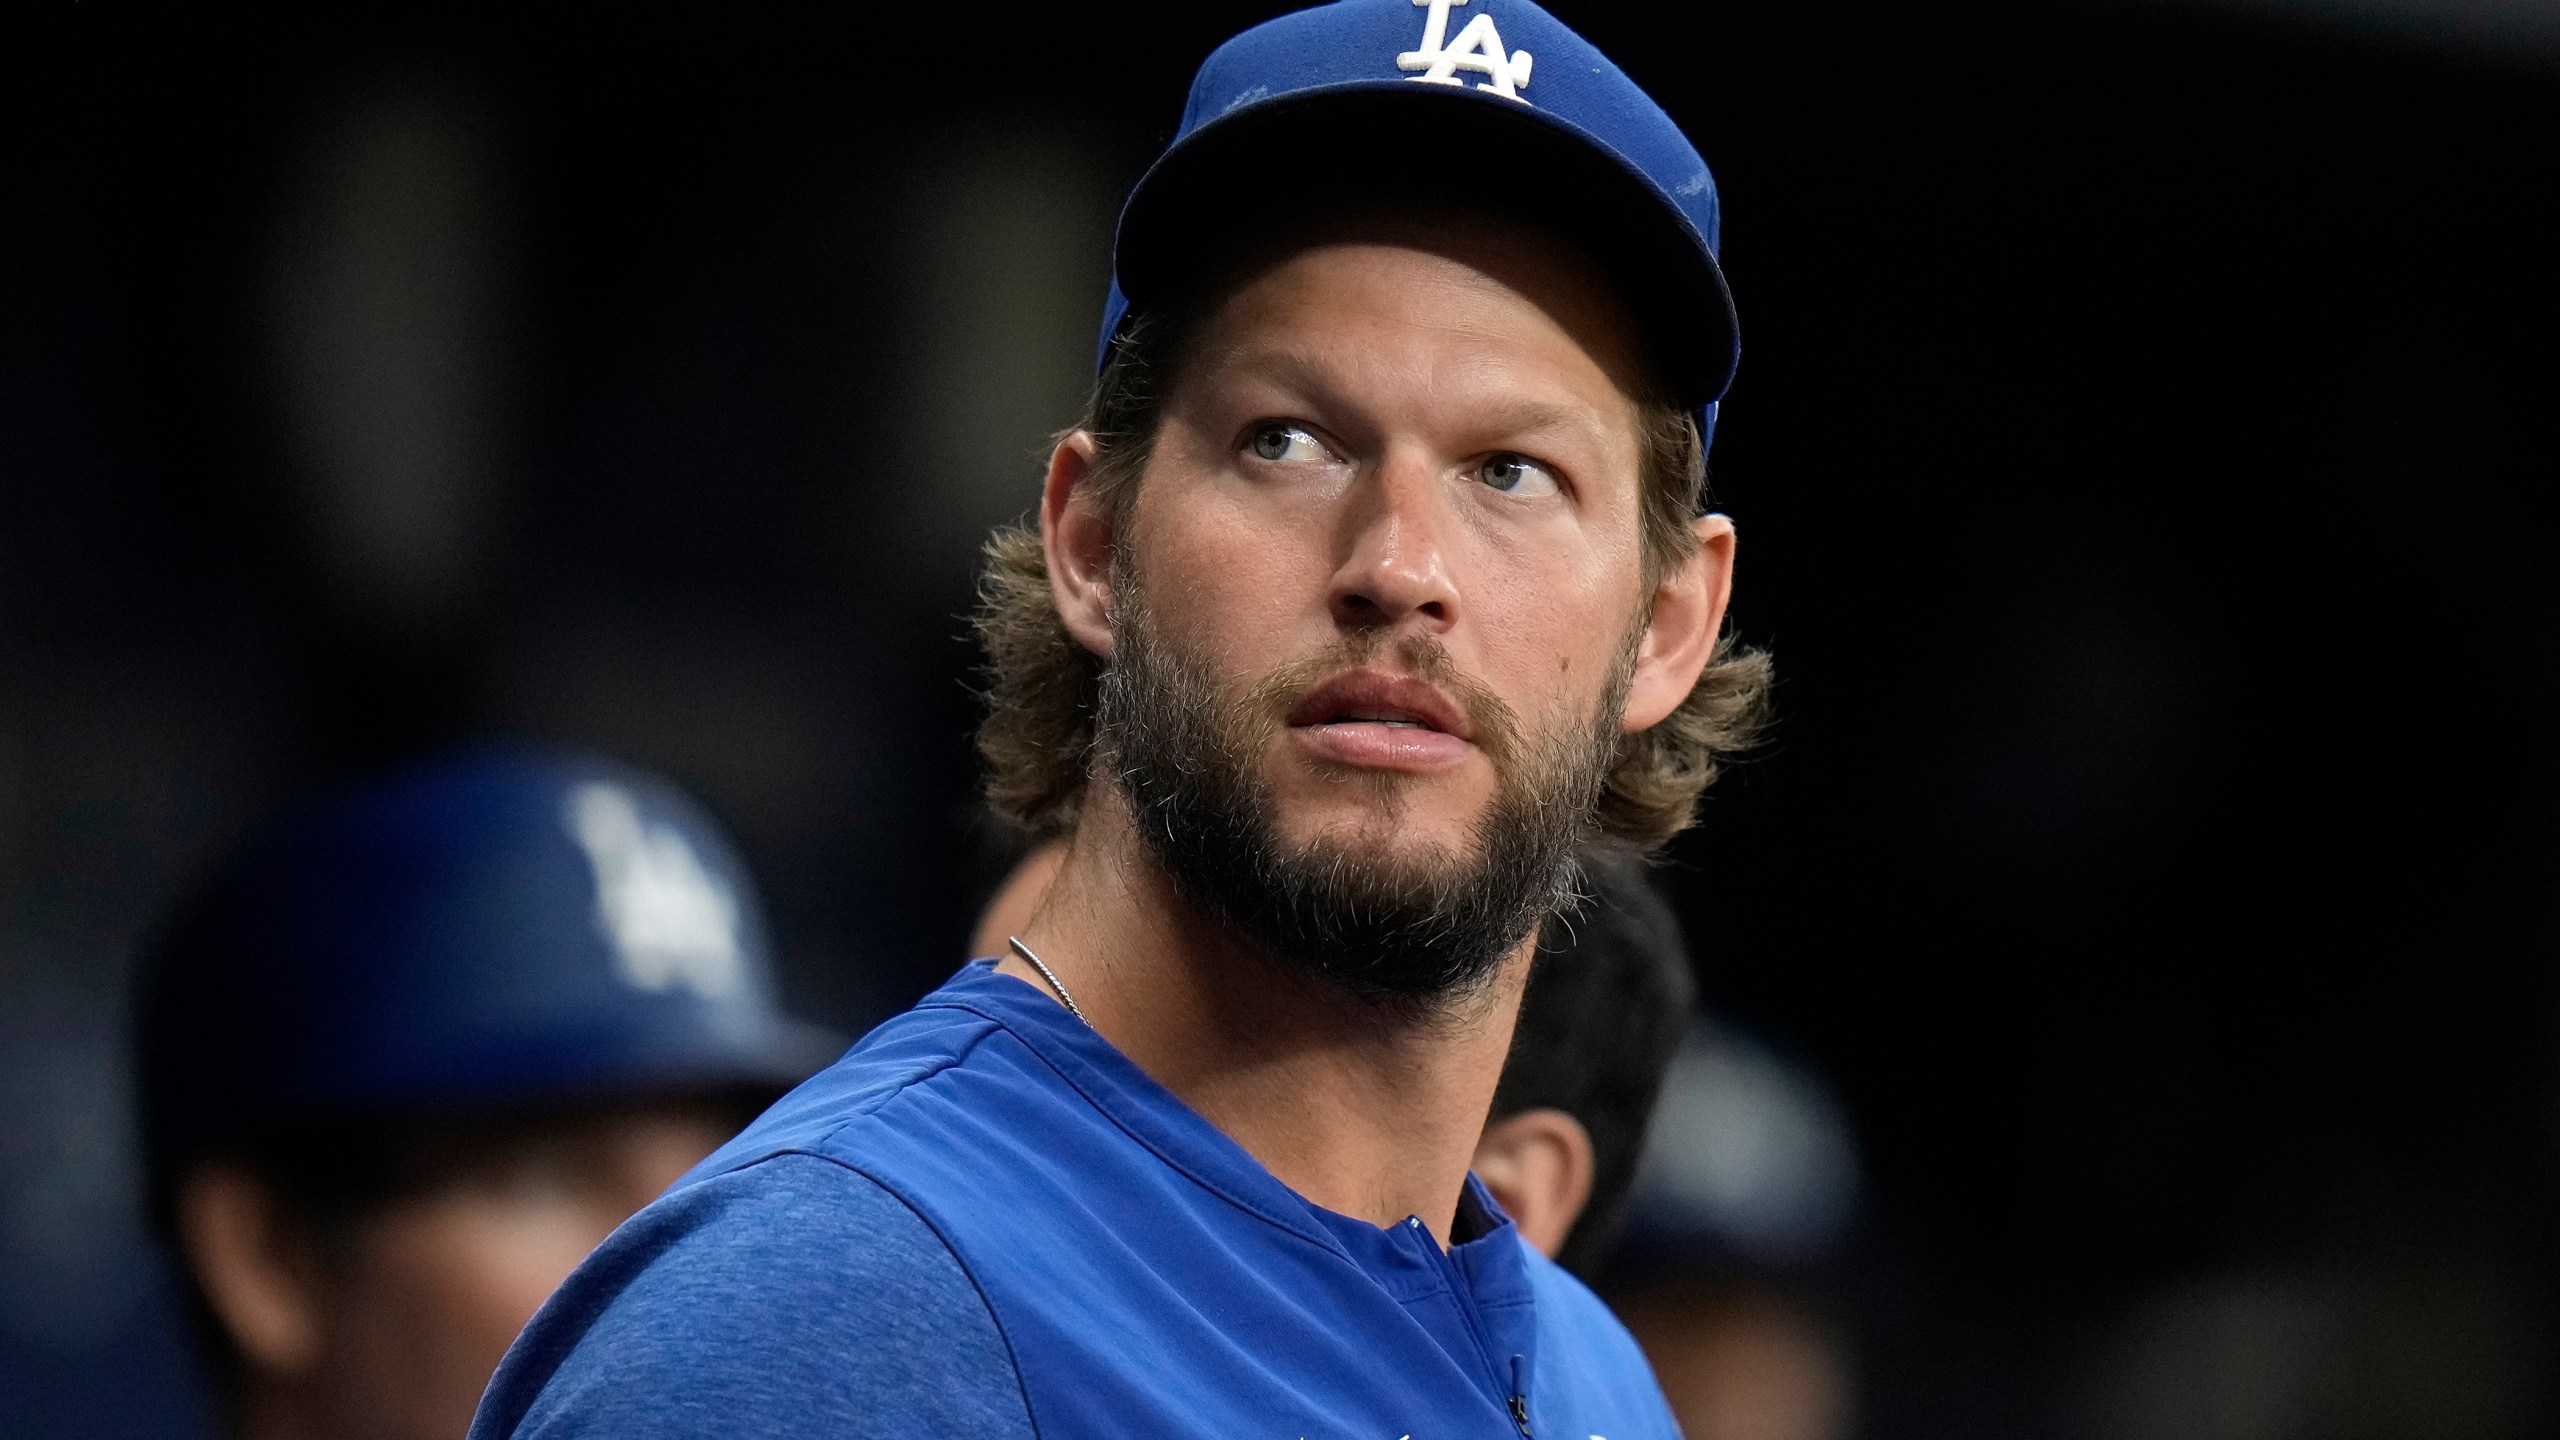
x: 1539, y: 1165
x: 1686, y: 618
x: 253, y: 1271
x: 1077, y: 538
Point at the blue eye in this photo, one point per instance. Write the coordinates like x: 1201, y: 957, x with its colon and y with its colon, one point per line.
x: 1517, y: 475
x: 1280, y: 442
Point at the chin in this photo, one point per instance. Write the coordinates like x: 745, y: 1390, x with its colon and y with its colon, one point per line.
x: 1329, y: 795
x: 1392, y: 837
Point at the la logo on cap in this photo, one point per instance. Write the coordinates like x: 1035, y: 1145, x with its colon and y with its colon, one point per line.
x: 672, y: 922
x: 1478, y: 49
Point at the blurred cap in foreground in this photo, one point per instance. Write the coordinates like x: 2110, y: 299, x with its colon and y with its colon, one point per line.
x: 499, y: 928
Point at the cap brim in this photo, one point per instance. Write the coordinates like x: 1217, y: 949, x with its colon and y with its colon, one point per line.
x: 1366, y: 142
x: 780, y: 1058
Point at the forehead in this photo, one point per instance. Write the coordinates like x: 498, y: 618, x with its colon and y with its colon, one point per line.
x: 1475, y: 305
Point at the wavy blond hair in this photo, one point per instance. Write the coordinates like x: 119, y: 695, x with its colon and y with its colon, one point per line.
x: 1041, y: 685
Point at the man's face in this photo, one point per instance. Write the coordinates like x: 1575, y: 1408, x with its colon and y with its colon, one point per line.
x: 1385, y: 563
x: 433, y: 1290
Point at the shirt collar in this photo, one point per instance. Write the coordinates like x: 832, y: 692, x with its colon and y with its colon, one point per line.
x: 1488, y: 1255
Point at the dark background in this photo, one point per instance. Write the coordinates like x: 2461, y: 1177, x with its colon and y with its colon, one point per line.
x: 2143, y: 449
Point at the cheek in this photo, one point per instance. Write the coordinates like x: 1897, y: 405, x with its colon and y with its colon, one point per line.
x: 475, y: 1266
x: 1223, y: 566
x: 1552, y: 621
x: 437, y: 1292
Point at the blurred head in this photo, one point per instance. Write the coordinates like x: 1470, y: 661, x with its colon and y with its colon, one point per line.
x: 1742, y: 1362
x: 1377, y: 568
x: 410, y: 1055
x: 366, y: 1280
x: 1606, y: 1006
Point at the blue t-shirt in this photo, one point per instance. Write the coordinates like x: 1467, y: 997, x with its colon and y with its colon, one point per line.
x: 986, y: 1221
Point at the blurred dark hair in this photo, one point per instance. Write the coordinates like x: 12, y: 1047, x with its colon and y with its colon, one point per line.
x: 1042, y: 686
x: 1607, y: 1003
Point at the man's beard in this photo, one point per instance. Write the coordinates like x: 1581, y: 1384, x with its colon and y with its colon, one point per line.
x: 1389, y: 930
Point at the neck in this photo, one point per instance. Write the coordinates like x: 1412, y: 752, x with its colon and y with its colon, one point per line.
x: 1368, y: 1113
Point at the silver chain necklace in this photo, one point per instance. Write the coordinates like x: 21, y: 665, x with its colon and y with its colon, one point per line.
x: 1049, y: 975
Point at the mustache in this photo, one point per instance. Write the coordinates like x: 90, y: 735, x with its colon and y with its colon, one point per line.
x: 1493, y: 723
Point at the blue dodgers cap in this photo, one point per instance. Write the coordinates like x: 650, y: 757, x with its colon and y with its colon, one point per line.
x: 501, y: 928
x: 1492, y: 104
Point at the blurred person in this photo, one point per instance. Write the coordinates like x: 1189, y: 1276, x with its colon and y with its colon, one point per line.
x: 409, y: 1056
x: 1608, y: 999
x: 1740, y: 1255
x: 1743, y: 1361
x: 1374, y: 584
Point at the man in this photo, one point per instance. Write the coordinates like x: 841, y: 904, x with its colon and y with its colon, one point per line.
x: 1608, y: 999
x: 408, y: 1058
x: 1372, y: 586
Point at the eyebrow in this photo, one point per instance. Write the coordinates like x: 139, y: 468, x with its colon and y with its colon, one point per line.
x: 1291, y: 370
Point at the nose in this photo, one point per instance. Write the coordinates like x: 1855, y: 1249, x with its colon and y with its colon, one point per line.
x: 1396, y: 533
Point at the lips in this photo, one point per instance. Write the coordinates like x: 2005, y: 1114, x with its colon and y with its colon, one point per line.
x: 1369, y: 697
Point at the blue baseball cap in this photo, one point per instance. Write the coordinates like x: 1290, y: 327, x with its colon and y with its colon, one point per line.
x: 1492, y: 104
x: 496, y: 929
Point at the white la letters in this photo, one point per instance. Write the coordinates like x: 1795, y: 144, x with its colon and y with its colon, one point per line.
x: 1478, y: 49
x: 672, y: 922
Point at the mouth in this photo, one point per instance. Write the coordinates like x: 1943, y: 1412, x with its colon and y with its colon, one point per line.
x: 1388, y: 702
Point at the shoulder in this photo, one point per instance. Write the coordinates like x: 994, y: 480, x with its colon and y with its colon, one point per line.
x: 789, y: 1295
x: 911, y: 1056
x: 1592, y: 1377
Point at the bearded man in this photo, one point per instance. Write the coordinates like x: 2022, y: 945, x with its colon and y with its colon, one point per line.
x: 1373, y: 583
